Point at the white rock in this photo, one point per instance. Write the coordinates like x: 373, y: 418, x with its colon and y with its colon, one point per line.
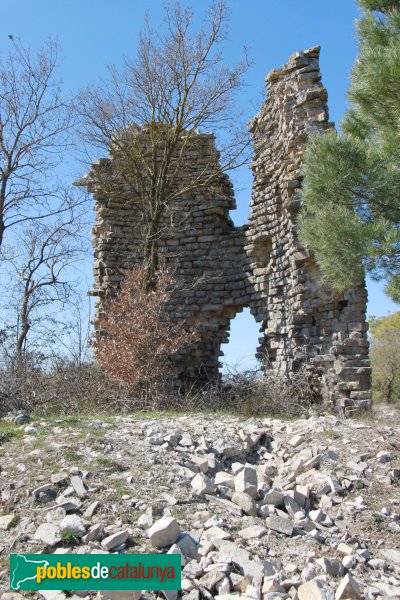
x: 246, y: 481
x: 307, y: 574
x: 164, y: 532
x: 48, y: 533
x: 6, y: 521
x: 252, y: 532
x: 223, y: 478
x: 188, y: 546
x: 315, y: 590
x: 391, y: 555
x: 344, y: 549
x: 349, y: 562
x: 201, y: 484
x: 74, y: 524
x: 296, y: 440
x: 115, y: 539
x: 246, y: 503
x: 274, y: 497
x: 223, y: 587
x: 237, y: 467
x: 214, y: 521
x: 78, y: 486
x: 30, y: 430
x: 176, y: 550
x: 253, y: 592
x: 348, y: 589
x: 214, y: 533
x: 280, y: 524
x: 201, y: 462
x: 145, y: 520
x: 95, y: 532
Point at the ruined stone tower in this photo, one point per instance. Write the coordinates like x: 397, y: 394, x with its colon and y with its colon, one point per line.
x: 222, y: 268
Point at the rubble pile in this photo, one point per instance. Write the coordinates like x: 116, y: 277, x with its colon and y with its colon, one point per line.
x: 257, y: 508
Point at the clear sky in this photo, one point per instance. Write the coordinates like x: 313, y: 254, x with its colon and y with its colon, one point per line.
x: 94, y: 33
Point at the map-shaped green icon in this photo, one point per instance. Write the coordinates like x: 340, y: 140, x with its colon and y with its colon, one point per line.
x: 23, y: 569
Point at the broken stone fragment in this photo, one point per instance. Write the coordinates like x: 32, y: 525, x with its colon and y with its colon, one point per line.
x: 330, y: 567
x: 280, y: 524
x: 274, y: 497
x: 78, y: 486
x: 210, y: 579
x: 246, y: 481
x: 240, y: 582
x: 115, y: 539
x: 230, y: 552
x: 164, y: 532
x: 228, y: 449
x: 226, y: 479
x: 237, y: 467
x: 245, y: 502
x: 223, y: 587
x: 216, y: 533
x: 145, y: 520
x: 70, y: 505
x: 344, y: 549
x: 348, y: 589
x: 296, y: 440
x: 91, y: 509
x: 188, y: 546
x: 315, y: 590
x: 392, y: 555
x: 74, y: 524
x: 291, y: 506
x: 252, y: 532
x: 48, y: 533
x: 6, y: 521
x: 95, y: 532
x: 272, y: 585
x: 226, y: 504
x: 201, y: 484
x: 201, y: 462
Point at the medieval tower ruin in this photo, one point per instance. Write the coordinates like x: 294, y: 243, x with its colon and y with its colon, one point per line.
x: 223, y: 269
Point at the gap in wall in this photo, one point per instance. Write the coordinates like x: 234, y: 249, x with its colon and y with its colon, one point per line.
x: 239, y: 351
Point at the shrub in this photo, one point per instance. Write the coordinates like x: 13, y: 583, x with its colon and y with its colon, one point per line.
x: 137, y: 337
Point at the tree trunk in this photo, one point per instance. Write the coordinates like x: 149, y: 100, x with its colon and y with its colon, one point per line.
x: 151, y: 256
x: 25, y: 326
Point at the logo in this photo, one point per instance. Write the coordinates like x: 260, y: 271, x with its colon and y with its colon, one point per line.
x: 95, y: 571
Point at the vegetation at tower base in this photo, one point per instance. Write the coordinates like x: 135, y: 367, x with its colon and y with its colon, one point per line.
x: 385, y: 357
x: 351, y: 190
x: 137, y: 337
x: 177, y: 86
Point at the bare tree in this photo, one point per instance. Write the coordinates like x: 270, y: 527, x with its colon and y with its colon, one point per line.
x: 149, y: 116
x: 42, y: 273
x: 34, y: 122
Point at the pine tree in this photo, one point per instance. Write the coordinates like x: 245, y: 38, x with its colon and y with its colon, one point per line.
x: 351, y: 193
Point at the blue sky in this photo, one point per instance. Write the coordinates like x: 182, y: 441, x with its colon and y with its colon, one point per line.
x: 93, y: 34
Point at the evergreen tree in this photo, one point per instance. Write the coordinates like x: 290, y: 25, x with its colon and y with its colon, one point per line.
x: 351, y: 193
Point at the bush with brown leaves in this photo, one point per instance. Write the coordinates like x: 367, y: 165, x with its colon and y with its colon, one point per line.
x: 137, y: 337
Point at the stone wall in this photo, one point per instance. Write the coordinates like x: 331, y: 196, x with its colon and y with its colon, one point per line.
x: 222, y: 268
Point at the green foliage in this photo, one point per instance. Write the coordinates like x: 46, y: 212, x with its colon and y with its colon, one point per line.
x: 69, y: 539
x: 385, y: 356
x: 9, y: 431
x: 351, y: 193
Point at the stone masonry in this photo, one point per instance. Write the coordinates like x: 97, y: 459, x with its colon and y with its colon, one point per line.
x: 222, y: 269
